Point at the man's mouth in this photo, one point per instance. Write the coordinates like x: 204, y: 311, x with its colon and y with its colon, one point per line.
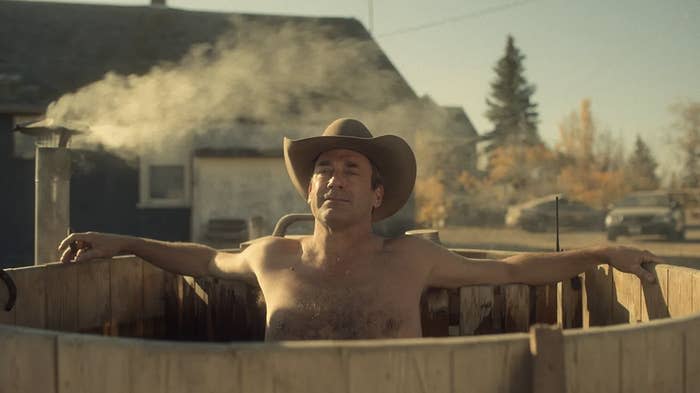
x: 333, y: 198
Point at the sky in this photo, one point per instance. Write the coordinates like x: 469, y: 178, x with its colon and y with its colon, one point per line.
x: 631, y: 58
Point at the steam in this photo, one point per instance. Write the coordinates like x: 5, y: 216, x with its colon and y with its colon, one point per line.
x: 254, y: 84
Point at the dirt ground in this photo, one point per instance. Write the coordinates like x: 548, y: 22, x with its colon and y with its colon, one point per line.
x: 684, y: 252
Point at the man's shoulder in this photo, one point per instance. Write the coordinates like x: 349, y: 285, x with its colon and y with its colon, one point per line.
x: 406, y: 243
x: 274, y: 245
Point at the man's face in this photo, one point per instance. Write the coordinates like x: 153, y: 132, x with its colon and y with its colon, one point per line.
x: 340, y: 191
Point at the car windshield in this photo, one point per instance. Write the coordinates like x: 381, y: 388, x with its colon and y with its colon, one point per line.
x: 644, y: 201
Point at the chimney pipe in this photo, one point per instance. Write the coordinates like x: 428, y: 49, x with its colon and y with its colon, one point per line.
x: 52, y: 188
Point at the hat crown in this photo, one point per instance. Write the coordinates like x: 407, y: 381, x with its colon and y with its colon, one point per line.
x: 347, y: 127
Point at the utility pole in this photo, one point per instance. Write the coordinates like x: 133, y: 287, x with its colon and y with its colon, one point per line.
x: 371, y: 15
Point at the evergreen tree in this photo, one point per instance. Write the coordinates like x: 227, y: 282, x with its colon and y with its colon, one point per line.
x: 687, y: 121
x: 641, y: 168
x: 513, y: 114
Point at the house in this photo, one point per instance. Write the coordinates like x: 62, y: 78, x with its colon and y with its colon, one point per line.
x: 224, y: 165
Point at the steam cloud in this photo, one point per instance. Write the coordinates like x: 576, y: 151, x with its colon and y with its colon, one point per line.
x: 262, y: 76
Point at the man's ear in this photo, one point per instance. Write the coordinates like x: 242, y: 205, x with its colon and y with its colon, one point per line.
x: 378, y: 196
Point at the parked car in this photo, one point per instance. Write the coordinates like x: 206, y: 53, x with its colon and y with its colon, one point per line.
x: 538, y: 215
x: 642, y: 213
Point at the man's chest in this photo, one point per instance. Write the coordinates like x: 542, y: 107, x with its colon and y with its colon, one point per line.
x: 345, y: 303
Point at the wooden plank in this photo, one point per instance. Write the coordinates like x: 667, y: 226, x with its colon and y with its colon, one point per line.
x: 411, y: 369
x: 597, y: 296
x: 172, y: 305
x: 6, y: 317
x: 692, y: 355
x: 435, y: 318
x: 592, y: 363
x: 545, y: 304
x: 92, y: 364
x: 627, y: 298
x: 680, y: 291
x: 301, y: 368
x: 30, y: 309
x: 62, y: 297
x: 153, y: 301
x: 655, y: 295
x: 696, y: 292
x: 652, y: 360
x: 492, y: 364
x: 188, y: 322
x: 517, y: 308
x: 478, y: 310
x: 27, y: 361
x: 164, y: 368
x: 569, y: 303
x: 93, y: 296
x: 126, y: 286
x: 547, y: 349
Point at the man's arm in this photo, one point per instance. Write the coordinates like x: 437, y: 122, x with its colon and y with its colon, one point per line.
x: 450, y: 270
x: 189, y: 259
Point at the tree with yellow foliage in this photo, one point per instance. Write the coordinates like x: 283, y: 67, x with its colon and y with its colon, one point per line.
x: 592, y: 172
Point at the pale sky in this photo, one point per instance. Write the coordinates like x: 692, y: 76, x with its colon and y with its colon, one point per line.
x: 632, y: 58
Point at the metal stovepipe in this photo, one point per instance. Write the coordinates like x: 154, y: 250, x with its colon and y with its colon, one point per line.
x: 52, y: 199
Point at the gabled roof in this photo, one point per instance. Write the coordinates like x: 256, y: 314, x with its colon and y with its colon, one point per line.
x: 49, y: 49
x: 461, y: 120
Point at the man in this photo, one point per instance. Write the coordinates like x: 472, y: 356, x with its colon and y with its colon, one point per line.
x: 344, y: 282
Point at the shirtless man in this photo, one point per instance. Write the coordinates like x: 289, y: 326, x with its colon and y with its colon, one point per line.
x: 344, y: 282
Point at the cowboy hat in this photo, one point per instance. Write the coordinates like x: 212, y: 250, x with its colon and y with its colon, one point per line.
x: 389, y: 153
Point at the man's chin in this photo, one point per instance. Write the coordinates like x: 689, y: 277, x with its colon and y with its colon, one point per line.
x: 336, y: 217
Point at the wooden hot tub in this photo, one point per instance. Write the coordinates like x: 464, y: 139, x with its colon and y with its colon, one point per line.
x: 123, y: 325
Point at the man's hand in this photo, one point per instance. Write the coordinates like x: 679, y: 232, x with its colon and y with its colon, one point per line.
x: 630, y: 260
x: 90, y: 245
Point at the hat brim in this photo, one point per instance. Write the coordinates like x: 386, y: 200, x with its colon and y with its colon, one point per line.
x: 391, y: 155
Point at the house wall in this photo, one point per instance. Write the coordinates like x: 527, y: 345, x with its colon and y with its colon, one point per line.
x: 241, y: 187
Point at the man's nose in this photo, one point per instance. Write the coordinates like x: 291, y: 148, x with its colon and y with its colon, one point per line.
x: 336, y: 181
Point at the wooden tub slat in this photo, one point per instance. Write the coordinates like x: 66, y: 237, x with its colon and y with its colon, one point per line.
x: 477, y: 306
x: 626, y: 298
x: 92, y: 364
x: 31, y: 296
x: 61, y: 282
x: 652, y: 360
x: 126, y: 289
x: 153, y: 301
x: 592, y: 363
x: 415, y: 369
x: 27, y: 361
x: 570, y: 302
x: 545, y: 304
x: 655, y: 295
x: 692, y: 354
x: 680, y: 292
x: 94, y: 306
x: 516, y: 307
x: 162, y: 368
x: 597, y: 294
x: 493, y: 365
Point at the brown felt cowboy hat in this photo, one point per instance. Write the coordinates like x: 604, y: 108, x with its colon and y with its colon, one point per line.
x: 389, y: 153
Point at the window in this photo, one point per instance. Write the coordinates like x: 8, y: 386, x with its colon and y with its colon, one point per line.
x: 166, y: 182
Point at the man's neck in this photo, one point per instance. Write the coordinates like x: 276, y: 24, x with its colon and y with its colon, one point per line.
x: 337, y: 245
